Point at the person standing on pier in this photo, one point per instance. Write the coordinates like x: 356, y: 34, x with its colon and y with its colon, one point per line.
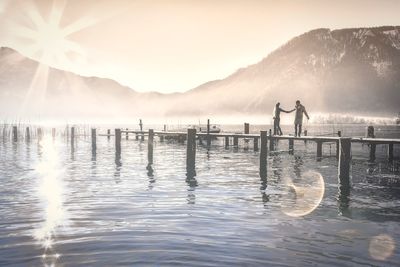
x: 298, y: 120
x: 277, y: 118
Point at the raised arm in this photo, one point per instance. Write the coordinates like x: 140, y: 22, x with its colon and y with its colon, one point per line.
x: 287, y: 111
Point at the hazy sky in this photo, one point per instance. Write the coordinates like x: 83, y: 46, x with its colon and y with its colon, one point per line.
x: 170, y: 46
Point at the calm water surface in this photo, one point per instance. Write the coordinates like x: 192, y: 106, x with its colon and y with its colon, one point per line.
x: 63, y: 206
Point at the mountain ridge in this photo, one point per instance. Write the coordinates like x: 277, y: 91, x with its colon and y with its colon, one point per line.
x: 341, y: 70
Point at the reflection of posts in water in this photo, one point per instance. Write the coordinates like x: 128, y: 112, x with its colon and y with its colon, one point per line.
x: 344, y: 200
x: 208, y: 133
x: 298, y: 163
x: 15, y: 133
x: 28, y: 135
x: 118, y: 141
x: 263, y: 154
x: 150, y: 146
x: 319, y: 150
x: 72, y: 137
x: 192, y: 184
x: 191, y: 153
x: 118, y: 164
x: 94, y: 146
x: 390, y: 152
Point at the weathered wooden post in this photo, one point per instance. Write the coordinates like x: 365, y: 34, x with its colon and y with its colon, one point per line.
x: 263, y: 154
x: 141, y: 129
x: 150, y: 141
x: 339, y: 133
x: 246, y: 131
x: 94, y: 146
x: 161, y: 135
x: 118, y: 141
x: 72, y: 136
x: 28, y: 135
x: 191, y: 153
x: 305, y: 134
x: 372, y: 147
x: 344, y: 166
x: 291, y: 145
x: 108, y: 134
x: 271, y: 141
x: 319, y: 149
x: 235, y: 141
x: 15, y: 133
x: 226, y: 141
x: 126, y: 134
x: 53, y: 132
x: 208, y: 133
x: 246, y: 128
x: 39, y: 133
x: 255, y: 145
x: 390, y: 152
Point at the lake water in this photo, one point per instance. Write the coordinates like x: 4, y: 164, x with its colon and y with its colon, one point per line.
x: 65, y: 207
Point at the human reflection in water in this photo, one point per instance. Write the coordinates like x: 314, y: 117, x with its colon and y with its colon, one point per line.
x: 118, y: 164
x: 298, y: 164
x: 191, y: 181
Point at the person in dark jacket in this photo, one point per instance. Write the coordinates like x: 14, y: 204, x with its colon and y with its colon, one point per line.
x: 277, y: 118
x: 298, y: 120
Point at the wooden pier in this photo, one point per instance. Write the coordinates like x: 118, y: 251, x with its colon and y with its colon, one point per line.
x: 264, y: 141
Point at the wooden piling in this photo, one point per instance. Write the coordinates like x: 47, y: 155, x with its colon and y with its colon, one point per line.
x: 271, y: 141
x: 108, y: 134
x: 255, y: 144
x: 126, y: 134
x: 344, y: 166
x: 208, y: 133
x: 226, y: 141
x: 141, y: 129
x: 39, y: 133
x: 53, y: 132
x: 93, y: 135
x: 390, y: 152
x: 235, y: 141
x: 339, y: 133
x: 15, y: 133
x: 291, y: 145
x: 305, y: 134
x: 319, y: 149
x: 150, y: 141
x: 118, y: 141
x: 263, y: 154
x: 246, y: 128
x: 191, y: 153
x: 72, y: 136
x: 28, y: 135
x: 372, y: 147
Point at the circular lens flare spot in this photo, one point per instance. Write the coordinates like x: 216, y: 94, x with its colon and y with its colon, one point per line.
x: 304, y: 194
x: 381, y: 247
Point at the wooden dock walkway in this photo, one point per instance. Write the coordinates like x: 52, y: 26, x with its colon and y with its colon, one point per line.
x: 263, y: 142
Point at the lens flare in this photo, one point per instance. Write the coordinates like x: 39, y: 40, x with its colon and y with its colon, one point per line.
x: 304, y: 194
x: 50, y: 192
x: 381, y: 247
